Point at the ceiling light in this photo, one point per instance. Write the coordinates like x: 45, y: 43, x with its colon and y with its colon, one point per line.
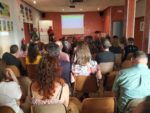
x: 63, y: 9
x: 81, y: 9
x: 98, y: 8
x: 34, y: 1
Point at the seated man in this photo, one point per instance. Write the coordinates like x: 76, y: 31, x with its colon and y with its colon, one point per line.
x: 133, y: 82
x: 11, y: 59
x: 106, y: 55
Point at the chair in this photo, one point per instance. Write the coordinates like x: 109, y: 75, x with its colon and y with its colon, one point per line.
x: 15, y: 70
x: 32, y: 70
x: 99, y: 105
x: 22, y: 59
x: 86, y: 84
x: 106, y: 67
x: 6, y: 109
x: 49, y: 108
x: 118, y: 60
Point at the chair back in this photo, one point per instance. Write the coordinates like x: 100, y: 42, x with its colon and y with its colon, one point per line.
x: 106, y: 67
x: 15, y: 70
x: 49, y: 108
x: 118, y: 58
x: 6, y: 109
x: 87, y: 84
x: 32, y: 70
x: 98, y: 105
x: 22, y: 59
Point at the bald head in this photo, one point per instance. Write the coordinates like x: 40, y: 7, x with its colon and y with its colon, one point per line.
x: 140, y: 57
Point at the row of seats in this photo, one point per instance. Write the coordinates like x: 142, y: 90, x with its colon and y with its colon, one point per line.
x: 90, y: 105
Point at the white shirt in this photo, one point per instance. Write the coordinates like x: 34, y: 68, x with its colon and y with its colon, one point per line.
x: 9, y: 93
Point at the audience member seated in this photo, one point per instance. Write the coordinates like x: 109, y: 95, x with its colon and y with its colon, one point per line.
x: 11, y: 59
x: 84, y: 65
x: 128, y: 62
x: 115, y: 48
x: 10, y: 92
x: 49, y: 88
x: 133, y: 82
x: 23, y: 51
x: 97, y: 40
x: 62, y: 56
x: 93, y: 49
x: 33, y: 56
x: 106, y: 55
x: 130, y: 48
x: 54, y: 51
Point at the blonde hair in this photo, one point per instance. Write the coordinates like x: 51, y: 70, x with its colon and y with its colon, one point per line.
x: 82, y: 54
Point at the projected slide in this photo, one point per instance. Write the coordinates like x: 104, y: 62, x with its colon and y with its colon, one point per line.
x: 72, y: 24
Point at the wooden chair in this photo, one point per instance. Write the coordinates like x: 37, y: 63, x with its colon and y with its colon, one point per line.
x: 49, y: 108
x: 86, y: 84
x: 99, y: 105
x: 6, y: 109
x: 32, y: 70
x: 22, y: 59
x: 106, y: 67
x: 15, y: 70
x: 118, y: 60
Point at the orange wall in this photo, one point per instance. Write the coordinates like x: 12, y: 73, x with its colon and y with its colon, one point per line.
x: 138, y: 35
x: 92, y: 22
x: 114, y: 13
x: 107, y: 21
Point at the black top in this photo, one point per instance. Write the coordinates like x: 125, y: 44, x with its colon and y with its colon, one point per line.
x: 105, y: 56
x: 12, y: 60
x: 115, y: 50
x: 130, y: 49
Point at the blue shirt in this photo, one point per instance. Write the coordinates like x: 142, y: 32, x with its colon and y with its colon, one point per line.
x: 132, y: 83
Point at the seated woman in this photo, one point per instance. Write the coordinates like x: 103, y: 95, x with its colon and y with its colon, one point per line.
x: 10, y: 92
x: 33, y: 56
x: 84, y: 65
x: 49, y: 87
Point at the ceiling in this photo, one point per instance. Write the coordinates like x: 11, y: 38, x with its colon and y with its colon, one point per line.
x: 63, y: 5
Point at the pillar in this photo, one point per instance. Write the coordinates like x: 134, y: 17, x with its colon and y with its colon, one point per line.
x: 146, y: 39
x: 129, y: 23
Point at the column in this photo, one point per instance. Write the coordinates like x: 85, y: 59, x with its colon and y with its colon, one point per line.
x: 146, y: 39
x: 129, y: 23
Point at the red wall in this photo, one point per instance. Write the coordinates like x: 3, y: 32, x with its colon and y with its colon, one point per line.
x: 92, y: 22
x: 138, y: 35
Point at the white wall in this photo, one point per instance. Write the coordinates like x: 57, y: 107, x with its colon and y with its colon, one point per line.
x: 15, y: 36
x: 140, y: 8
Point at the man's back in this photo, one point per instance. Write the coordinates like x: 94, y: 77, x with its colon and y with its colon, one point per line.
x: 132, y: 83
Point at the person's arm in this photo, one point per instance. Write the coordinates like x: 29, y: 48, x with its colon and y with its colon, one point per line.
x: 115, y: 87
x: 65, y: 95
x: 10, y: 75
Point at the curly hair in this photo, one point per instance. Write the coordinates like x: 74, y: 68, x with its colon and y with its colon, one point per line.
x: 49, y: 72
x: 33, y: 51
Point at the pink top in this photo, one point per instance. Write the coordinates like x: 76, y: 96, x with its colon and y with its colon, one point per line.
x: 64, y: 56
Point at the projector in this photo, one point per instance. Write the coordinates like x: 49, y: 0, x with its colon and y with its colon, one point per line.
x: 72, y: 6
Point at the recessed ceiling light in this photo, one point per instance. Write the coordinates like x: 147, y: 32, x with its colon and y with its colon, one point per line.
x: 81, y: 9
x: 34, y: 1
x: 98, y: 8
x: 63, y: 9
